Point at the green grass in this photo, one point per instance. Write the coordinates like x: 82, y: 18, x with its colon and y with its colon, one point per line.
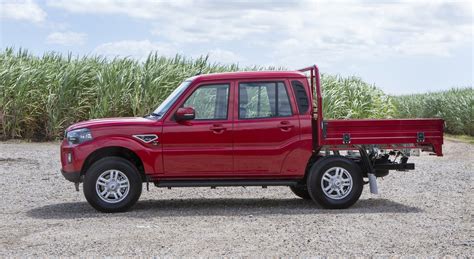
x: 352, y: 98
x: 41, y: 95
x: 455, y: 106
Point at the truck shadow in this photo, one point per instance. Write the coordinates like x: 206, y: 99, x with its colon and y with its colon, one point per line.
x: 217, y: 207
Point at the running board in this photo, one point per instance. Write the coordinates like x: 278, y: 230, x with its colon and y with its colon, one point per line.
x: 217, y: 183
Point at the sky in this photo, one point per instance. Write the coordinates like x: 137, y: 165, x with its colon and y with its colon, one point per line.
x: 400, y: 46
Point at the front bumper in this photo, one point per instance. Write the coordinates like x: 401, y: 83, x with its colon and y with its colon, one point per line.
x: 74, y: 177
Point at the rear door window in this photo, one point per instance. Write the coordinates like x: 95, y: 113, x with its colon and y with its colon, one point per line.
x: 263, y: 100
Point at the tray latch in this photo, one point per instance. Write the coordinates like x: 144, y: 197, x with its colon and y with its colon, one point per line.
x: 420, y: 137
x: 346, y: 138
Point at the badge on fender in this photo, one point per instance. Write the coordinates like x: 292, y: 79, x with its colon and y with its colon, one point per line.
x: 146, y: 138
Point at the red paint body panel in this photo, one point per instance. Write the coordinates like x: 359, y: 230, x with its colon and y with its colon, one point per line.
x: 260, y: 146
x: 194, y: 149
x: 400, y: 131
x: 252, y: 75
x: 234, y: 148
x: 147, y: 154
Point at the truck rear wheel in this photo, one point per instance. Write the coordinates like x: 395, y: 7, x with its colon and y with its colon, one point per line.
x: 301, y: 191
x: 112, y: 184
x: 335, y: 182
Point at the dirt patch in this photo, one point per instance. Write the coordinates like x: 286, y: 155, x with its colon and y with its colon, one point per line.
x: 426, y: 212
x: 17, y: 161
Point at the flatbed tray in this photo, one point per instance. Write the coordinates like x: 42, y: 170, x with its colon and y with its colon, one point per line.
x: 426, y: 134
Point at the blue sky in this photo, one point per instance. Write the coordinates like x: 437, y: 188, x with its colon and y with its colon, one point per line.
x: 401, y: 46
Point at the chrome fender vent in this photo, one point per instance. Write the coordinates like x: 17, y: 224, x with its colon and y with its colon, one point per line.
x: 146, y: 138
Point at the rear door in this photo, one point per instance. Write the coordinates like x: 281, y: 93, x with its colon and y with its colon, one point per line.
x: 266, y: 127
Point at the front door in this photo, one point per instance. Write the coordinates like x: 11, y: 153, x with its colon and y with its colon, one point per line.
x: 266, y: 129
x: 203, y: 146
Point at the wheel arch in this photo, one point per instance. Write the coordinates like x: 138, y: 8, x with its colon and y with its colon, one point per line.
x: 114, y: 151
x: 316, y: 158
x: 311, y: 161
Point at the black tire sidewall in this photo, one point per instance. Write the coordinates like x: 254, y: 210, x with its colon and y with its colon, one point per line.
x: 301, y: 191
x: 316, y: 174
x: 103, y: 165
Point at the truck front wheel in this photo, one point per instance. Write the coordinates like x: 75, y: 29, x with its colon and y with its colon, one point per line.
x: 335, y: 182
x: 112, y: 184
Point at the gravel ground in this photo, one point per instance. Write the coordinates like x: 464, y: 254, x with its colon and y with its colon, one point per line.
x: 423, y: 212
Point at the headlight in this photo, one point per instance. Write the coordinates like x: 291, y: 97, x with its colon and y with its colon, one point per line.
x: 78, y: 136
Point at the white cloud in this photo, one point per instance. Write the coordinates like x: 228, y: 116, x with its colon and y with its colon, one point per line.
x: 134, y: 49
x: 140, y: 49
x: 23, y: 10
x: 224, y: 56
x: 147, y: 9
x: 66, y: 38
x: 375, y: 31
x: 292, y: 33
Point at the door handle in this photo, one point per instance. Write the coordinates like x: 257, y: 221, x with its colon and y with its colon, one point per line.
x: 285, y: 125
x: 218, y: 128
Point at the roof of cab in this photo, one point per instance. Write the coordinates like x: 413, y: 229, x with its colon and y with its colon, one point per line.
x: 248, y: 75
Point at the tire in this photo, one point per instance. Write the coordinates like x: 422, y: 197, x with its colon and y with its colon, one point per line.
x: 301, y: 191
x: 110, y: 176
x: 342, y: 184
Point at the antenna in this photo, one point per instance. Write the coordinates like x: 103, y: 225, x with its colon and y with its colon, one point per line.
x: 200, y: 72
x: 203, y: 63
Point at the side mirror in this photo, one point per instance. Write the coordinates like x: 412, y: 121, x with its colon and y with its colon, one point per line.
x: 185, y: 114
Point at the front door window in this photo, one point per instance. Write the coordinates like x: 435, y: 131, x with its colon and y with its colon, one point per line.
x: 210, y: 102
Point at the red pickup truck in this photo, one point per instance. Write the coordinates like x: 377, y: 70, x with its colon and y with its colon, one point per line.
x: 242, y: 129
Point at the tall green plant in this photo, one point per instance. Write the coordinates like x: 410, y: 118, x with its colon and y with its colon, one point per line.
x: 352, y: 98
x: 455, y: 106
x: 41, y: 95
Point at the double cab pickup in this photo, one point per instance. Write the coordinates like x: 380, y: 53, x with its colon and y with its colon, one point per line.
x: 261, y: 128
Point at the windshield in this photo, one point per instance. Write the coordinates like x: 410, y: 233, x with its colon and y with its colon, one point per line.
x: 166, y: 104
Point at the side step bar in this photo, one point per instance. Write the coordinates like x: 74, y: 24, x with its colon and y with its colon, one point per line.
x: 217, y: 183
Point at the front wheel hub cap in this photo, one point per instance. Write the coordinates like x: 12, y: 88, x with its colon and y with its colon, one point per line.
x: 112, y: 186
